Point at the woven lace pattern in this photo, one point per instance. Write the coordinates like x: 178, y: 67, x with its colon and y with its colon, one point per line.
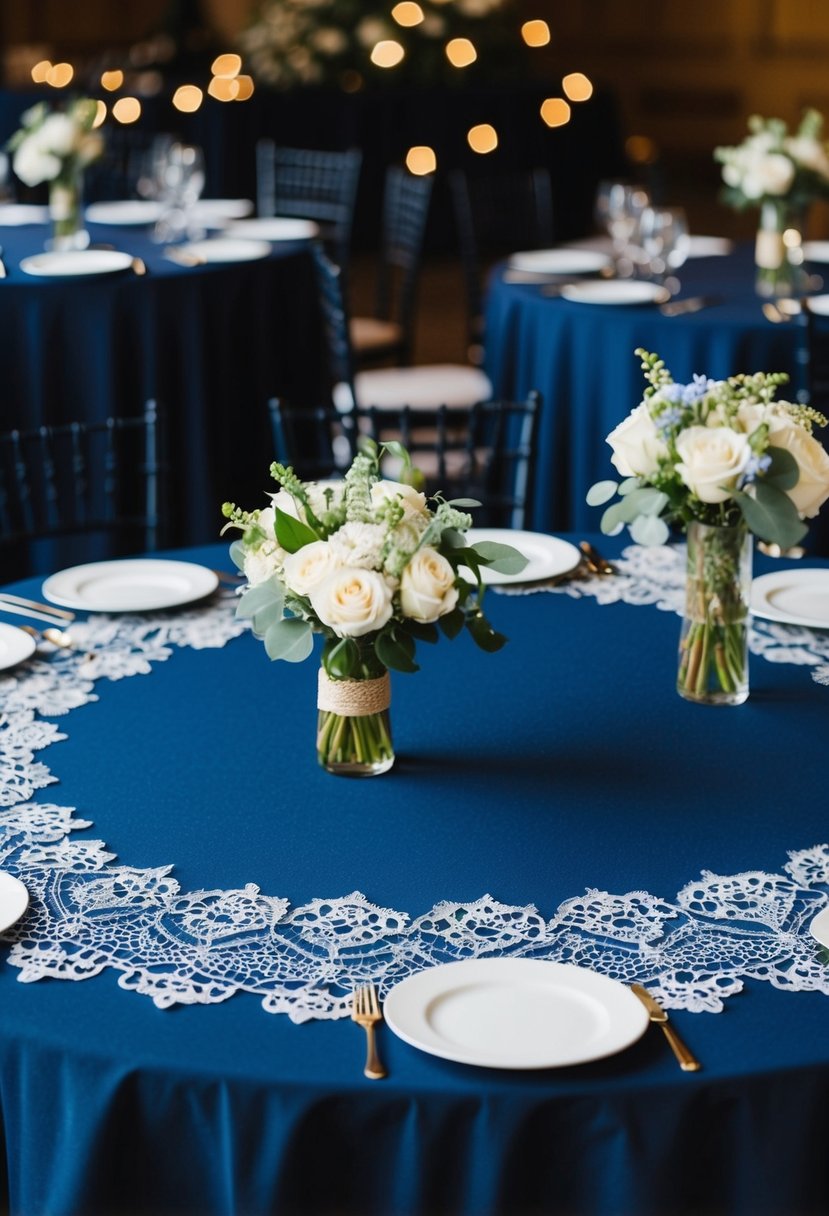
x: 89, y: 914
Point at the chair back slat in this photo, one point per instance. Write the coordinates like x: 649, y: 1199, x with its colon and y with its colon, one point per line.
x: 80, y: 478
x: 484, y: 451
x: 311, y: 184
x: 406, y: 199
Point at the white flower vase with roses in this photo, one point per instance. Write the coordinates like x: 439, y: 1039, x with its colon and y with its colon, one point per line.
x: 782, y: 174
x: 373, y: 567
x: 725, y: 461
x: 55, y: 146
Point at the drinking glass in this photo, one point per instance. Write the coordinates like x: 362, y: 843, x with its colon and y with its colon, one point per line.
x: 660, y: 241
x: 180, y: 175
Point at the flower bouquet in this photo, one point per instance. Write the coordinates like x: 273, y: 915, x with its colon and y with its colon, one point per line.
x: 373, y: 567
x: 724, y: 460
x: 55, y: 146
x: 782, y: 174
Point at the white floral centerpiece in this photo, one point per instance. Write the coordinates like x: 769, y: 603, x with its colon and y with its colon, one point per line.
x: 56, y: 146
x: 725, y: 460
x: 781, y: 173
x: 313, y: 42
x: 372, y: 566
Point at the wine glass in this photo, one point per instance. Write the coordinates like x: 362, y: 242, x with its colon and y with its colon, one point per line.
x: 661, y: 241
x: 181, y: 177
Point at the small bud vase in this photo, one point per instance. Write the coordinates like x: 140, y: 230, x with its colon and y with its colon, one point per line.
x: 66, y: 212
x: 713, y: 645
x: 778, y: 251
x: 353, y: 728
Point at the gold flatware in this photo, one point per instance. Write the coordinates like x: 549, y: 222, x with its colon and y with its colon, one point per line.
x: 184, y: 258
x: 56, y: 636
x: 365, y: 1011
x: 685, y: 1057
x: 595, y: 562
x: 139, y: 266
x: 62, y: 614
x: 677, y: 308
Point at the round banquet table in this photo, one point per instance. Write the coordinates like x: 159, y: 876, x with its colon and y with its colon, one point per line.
x: 565, y: 763
x: 581, y: 359
x: 210, y: 343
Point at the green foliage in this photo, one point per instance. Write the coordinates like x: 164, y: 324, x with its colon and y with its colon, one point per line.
x: 292, y: 534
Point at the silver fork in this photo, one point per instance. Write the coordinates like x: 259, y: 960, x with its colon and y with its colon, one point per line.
x: 365, y: 1011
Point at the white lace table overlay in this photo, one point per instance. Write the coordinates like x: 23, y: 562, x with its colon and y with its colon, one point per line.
x: 88, y: 913
x: 657, y: 576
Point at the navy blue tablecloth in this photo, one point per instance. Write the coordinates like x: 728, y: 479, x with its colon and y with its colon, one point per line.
x: 564, y: 762
x: 211, y: 343
x: 580, y: 357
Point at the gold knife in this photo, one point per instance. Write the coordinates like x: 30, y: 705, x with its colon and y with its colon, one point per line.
x: 687, y: 1060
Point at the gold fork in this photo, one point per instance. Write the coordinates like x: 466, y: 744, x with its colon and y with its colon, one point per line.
x: 365, y: 1011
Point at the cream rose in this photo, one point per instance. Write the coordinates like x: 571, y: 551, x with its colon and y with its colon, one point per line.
x: 712, y: 461
x: 427, y: 586
x: 414, y: 502
x: 306, y: 569
x: 772, y: 173
x: 637, y: 445
x: 812, y: 487
x: 353, y: 602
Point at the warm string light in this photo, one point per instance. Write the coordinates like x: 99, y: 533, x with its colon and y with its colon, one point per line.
x: 482, y: 138
x: 577, y: 87
x: 187, y: 98
x: 387, y: 53
x: 535, y: 33
x: 460, y: 52
x: 407, y: 14
x: 555, y: 111
x: 421, y: 160
x: 112, y: 80
x: 126, y: 110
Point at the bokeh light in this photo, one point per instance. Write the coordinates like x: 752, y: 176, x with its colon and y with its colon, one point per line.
x: 460, y: 52
x: 227, y: 66
x: 641, y: 150
x: 223, y: 88
x: 482, y: 138
x: 407, y: 13
x: 577, y: 86
x: 188, y: 98
x: 246, y: 87
x: 40, y: 72
x: 535, y: 33
x: 421, y: 160
x: 100, y: 114
x: 555, y: 111
x: 112, y: 80
x: 127, y: 109
x: 60, y: 75
x: 387, y: 54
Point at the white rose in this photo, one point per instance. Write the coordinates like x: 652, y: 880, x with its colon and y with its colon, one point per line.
x: 637, y: 445
x: 427, y: 586
x: 769, y: 174
x: 712, y: 461
x: 33, y: 164
x: 808, y: 152
x: 306, y: 569
x: 322, y: 495
x: 812, y: 488
x: 353, y: 602
x: 414, y: 502
x: 58, y: 134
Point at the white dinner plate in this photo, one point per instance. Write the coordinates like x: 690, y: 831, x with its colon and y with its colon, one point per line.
x: 614, y: 291
x: 560, y: 261
x: 77, y: 263
x: 15, y: 645
x: 546, y: 556
x: 709, y: 246
x: 816, y: 251
x: 819, y: 928
x: 274, y: 228
x: 793, y: 597
x: 515, y: 1013
x: 226, y: 249
x: 819, y: 305
x: 14, y: 900
x: 215, y: 212
x: 13, y: 215
x: 130, y: 585
x: 128, y: 212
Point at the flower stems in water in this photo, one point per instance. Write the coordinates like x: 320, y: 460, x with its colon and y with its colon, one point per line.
x: 354, y: 743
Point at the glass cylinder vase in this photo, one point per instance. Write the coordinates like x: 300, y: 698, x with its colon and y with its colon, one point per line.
x: 353, y: 726
x: 778, y: 251
x: 713, y: 644
x: 66, y: 211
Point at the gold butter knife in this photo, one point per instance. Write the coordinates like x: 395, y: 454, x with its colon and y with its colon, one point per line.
x: 687, y: 1060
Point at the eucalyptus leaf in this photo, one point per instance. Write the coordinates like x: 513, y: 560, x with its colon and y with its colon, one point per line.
x: 503, y: 558
x: 771, y: 515
x: 292, y: 534
x: 453, y: 539
x: 649, y: 530
x: 265, y: 617
x: 289, y: 640
x: 645, y: 501
x: 783, y: 472
x: 254, y: 599
x: 464, y: 504
x: 615, y: 517
x: 237, y: 555
x: 601, y: 492
x: 393, y: 654
x: 630, y: 483
x: 395, y: 448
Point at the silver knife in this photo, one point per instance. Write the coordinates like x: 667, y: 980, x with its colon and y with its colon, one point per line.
x: 677, y: 308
